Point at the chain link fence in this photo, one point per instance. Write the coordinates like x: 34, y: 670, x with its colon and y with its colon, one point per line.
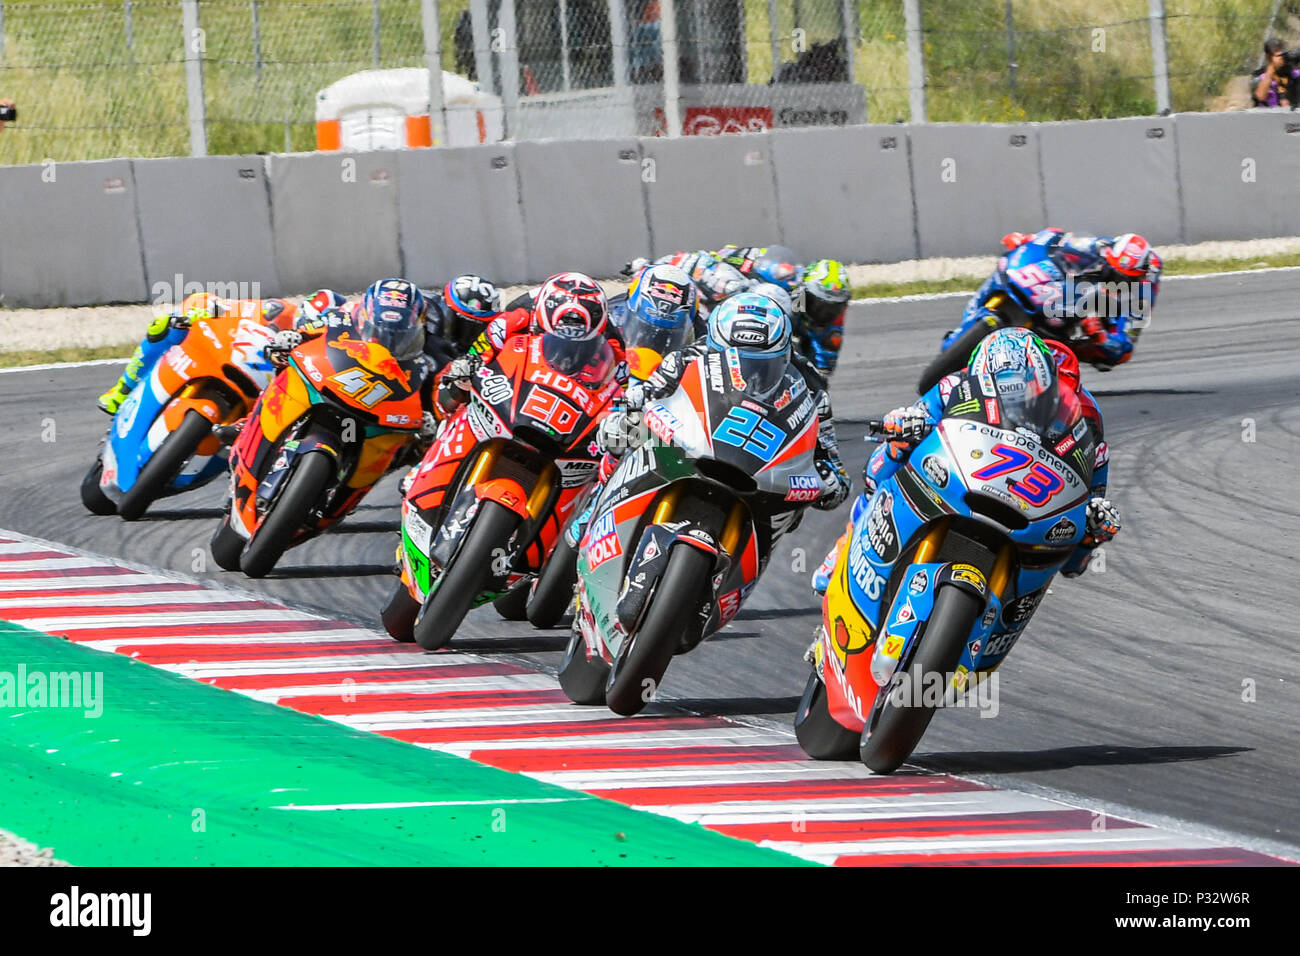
x: 137, y: 78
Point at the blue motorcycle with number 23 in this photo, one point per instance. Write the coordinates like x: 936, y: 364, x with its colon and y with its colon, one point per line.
x: 941, y: 574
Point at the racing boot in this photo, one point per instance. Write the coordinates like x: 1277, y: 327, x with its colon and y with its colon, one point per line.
x: 112, y: 400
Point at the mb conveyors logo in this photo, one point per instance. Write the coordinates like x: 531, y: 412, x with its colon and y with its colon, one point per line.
x: 75, y: 908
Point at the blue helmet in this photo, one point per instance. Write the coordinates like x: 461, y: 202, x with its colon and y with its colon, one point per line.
x: 754, y: 333
x: 1014, y: 368
x: 777, y: 265
x: 391, y: 314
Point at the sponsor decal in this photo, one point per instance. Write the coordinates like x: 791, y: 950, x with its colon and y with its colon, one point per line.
x: 662, y: 422
x: 397, y: 419
x: 1080, y: 429
x: 733, y: 367
x: 905, y: 615
x: 575, y: 472
x: 753, y: 406
x: 804, y: 488
x: 1021, y: 609
x: 1065, y: 444
x: 871, y: 583
x: 974, y: 647
x: 881, y: 531
x: 935, y: 470
x: 965, y: 408
x: 650, y: 553
x: 959, y: 677
x: 892, y: 646
x: 782, y: 400
x: 749, y: 333
x: 845, y: 642
x: 920, y: 581
x: 970, y: 574
x: 1061, y: 532
x: 728, y: 605
x: 1001, y: 644
x: 991, y: 411
x: 602, y: 541
x: 419, y: 531
x: 496, y: 389
x: 715, y: 371
x: 805, y: 408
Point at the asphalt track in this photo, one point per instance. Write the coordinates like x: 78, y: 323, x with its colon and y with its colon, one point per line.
x: 1167, y: 686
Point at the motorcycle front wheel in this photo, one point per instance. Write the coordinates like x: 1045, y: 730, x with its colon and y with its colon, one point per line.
x: 636, y: 675
x: 311, y: 476
x: 165, y: 464
x: 582, y: 679
x: 92, y: 496
x: 820, y: 735
x: 910, y: 707
x: 554, y: 591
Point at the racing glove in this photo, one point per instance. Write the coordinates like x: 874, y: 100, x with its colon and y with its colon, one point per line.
x: 282, y: 343
x: 835, y: 484
x: 428, y: 427
x: 908, y: 424
x: 620, y: 431
x: 635, y: 266
x: 464, y: 367
x: 1103, y: 522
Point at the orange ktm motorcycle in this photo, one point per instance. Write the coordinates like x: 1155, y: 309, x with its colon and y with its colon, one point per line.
x: 329, y: 426
x: 489, y: 501
x: 161, y: 441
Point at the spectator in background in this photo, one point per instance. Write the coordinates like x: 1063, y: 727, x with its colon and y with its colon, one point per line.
x: 647, y: 52
x: 8, y: 112
x: 1276, y: 83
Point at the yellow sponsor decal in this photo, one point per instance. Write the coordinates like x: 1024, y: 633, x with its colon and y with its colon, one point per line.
x: 959, y: 677
x: 971, y: 575
x: 893, y: 646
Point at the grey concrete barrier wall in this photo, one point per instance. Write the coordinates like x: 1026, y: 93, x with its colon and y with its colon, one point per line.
x: 334, y: 220
x: 206, y: 220
x: 582, y: 202
x: 821, y: 173
x: 973, y: 184
x: 702, y: 192
x: 1240, y: 174
x: 1112, y: 177
x: 460, y: 212
x: 68, y: 235
x: 94, y: 232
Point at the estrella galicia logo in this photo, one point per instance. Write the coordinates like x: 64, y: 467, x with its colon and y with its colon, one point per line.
x: 881, y: 531
x: 1061, y: 532
x: 920, y: 581
x: 935, y: 470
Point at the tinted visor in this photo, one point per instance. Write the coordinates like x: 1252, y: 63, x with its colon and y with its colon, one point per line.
x: 1023, y: 403
x: 395, y: 330
x: 589, y: 361
x: 763, y: 374
x: 821, y: 312
x: 664, y: 337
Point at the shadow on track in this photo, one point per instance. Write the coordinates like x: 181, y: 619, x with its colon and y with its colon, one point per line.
x: 736, y: 706
x: 332, y: 571
x: 993, y: 761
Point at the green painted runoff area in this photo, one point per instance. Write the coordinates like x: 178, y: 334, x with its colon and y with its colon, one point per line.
x: 179, y: 773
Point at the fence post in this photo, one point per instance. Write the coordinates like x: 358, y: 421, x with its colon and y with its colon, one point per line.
x: 478, y: 16
x: 1011, y: 49
x: 915, y: 60
x: 618, y: 41
x: 257, y: 38
x: 433, y: 62
x: 672, y: 75
x: 1159, y: 55
x: 195, y: 46
x: 849, y: 17
x: 509, y: 67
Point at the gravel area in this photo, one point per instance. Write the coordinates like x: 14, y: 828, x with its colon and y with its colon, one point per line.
x: 15, y: 851
x: 123, y: 324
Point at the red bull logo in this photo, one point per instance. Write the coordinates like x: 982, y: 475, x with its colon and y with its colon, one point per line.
x: 374, y: 357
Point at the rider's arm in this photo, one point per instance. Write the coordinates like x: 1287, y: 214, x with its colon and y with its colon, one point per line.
x: 836, y: 484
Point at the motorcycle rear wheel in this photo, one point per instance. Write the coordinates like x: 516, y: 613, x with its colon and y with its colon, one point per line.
x: 92, y: 496
x: 581, y: 679
x: 399, y: 615
x: 636, y: 675
x: 512, y: 606
x: 554, y: 591
x: 820, y: 735
x: 165, y: 464
x: 311, y: 476
x: 468, y: 575
x: 902, y: 725
x: 226, y: 545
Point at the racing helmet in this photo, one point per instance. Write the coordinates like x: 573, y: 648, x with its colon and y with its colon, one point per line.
x: 659, y: 317
x: 826, y: 293
x: 775, y: 264
x: 1129, y: 255
x: 391, y: 314
x: 1016, y: 369
x: 754, y: 335
x: 777, y: 295
x: 473, y: 297
x: 312, y: 309
x: 202, y: 305
x: 571, y: 305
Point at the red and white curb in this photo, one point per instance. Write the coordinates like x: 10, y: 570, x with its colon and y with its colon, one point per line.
x: 749, y: 782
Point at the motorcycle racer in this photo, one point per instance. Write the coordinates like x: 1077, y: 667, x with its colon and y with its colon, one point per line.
x: 1124, y: 262
x: 568, y: 304
x: 1035, y: 382
x: 170, y: 328
x: 457, y: 314
x: 755, y: 328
